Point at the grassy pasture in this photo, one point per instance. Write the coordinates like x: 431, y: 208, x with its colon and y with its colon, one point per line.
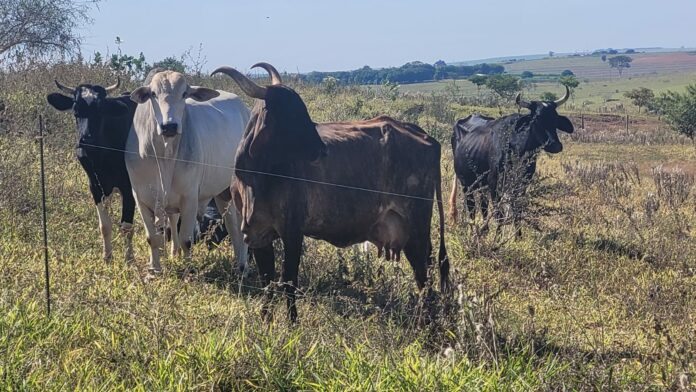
x: 598, y: 82
x: 601, y: 297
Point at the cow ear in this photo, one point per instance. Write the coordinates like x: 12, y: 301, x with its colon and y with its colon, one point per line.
x: 564, y: 124
x: 141, y: 94
x: 114, y: 108
x: 201, y: 94
x: 60, y: 101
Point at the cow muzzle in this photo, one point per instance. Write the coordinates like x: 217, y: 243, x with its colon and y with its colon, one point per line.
x: 169, y: 129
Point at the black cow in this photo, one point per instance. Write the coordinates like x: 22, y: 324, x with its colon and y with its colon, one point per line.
x: 102, y: 126
x: 484, y: 148
x: 343, y: 183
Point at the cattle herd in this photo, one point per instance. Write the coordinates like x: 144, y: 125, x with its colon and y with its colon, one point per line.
x: 182, y: 153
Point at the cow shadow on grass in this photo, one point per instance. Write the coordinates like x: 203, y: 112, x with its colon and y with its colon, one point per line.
x: 346, y: 282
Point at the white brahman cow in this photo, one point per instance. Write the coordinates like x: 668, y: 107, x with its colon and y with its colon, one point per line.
x: 180, y: 156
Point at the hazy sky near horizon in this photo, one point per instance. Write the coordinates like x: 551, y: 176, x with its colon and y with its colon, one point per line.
x: 332, y: 35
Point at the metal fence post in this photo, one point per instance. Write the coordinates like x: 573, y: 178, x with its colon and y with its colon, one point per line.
x: 43, y: 219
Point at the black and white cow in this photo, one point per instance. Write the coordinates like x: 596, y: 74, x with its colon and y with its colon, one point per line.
x: 102, y: 126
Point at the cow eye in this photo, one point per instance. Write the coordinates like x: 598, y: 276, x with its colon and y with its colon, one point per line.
x: 153, y: 95
x: 184, y: 95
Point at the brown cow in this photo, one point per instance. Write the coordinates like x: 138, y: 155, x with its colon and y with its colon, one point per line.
x: 343, y: 183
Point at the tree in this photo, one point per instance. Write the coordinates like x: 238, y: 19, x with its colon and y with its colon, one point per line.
x: 504, y: 85
x: 41, y: 27
x: 630, y: 51
x: 567, y: 72
x: 641, y: 97
x: 548, y: 96
x: 171, y: 63
x: 527, y: 75
x: 679, y: 110
x: 479, y: 80
x: 569, y: 81
x: 551, y: 53
x: 604, y: 58
x: 620, y: 63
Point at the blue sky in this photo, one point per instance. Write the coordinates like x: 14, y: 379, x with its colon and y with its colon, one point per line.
x: 338, y: 35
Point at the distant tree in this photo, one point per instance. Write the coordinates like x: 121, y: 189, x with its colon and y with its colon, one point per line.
x: 567, y: 72
x: 527, y: 75
x: 641, y: 97
x: 123, y: 62
x: 98, y: 59
x: 551, y: 53
x: 479, y: 80
x: 620, y: 63
x: 612, y: 51
x: 679, y: 110
x: 440, y: 63
x: 604, y: 58
x: 170, y: 63
x: 504, y: 85
x: 630, y: 51
x: 548, y: 96
x: 571, y: 82
x: 35, y: 28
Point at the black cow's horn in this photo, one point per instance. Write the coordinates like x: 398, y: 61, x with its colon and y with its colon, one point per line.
x: 520, y: 102
x: 113, y: 87
x: 275, y: 76
x: 247, y: 85
x: 68, y: 90
x: 563, y: 99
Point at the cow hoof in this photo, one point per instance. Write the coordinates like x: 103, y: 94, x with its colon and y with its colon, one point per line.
x: 152, y: 274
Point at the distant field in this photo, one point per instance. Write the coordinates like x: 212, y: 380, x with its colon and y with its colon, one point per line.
x: 598, y: 82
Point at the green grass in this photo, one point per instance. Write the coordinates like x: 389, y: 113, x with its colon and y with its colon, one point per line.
x: 601, y: 297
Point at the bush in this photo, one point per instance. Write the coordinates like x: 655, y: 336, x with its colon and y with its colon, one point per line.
x: 679, y: 110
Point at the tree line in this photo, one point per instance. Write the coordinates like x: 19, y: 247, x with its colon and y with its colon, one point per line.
x: 413, y: 72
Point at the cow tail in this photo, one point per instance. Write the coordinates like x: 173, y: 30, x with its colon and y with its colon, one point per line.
x: 453, y: 199
x: 442, y: 259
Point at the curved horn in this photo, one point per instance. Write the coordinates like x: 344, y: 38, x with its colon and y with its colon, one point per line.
x: 113, y: 87
x: 247, y: 85
x: 520, y: 102
x: 275, y: 76
x: 563, y: 99
x: 68, y: 90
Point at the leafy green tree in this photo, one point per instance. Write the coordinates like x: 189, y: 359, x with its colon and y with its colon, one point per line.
x: 504, y: 85
x: 131, y: 64
x: 620, y: 63
x: 641, y: 97
x: 527, y: 75
x: 679, y: 110
x: 567, y: 72
x: 571, y: 82
x: 171, y: 63
x: 35, y: 28
x: 98, y: 59
x: 548, y: 96
x: 479, y: 80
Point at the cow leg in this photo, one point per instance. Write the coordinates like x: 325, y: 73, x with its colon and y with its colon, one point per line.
x: 292, y: 242
x: 127, y: 212
x: 174, y: 233
x: 155, y: 238
x: 105, y: 227
x: 470, y: 204
x: 265, y: 263
x: 233, y: 223
x: 188, y: 220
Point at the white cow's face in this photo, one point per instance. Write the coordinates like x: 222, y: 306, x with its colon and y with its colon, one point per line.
x: 168, y: 92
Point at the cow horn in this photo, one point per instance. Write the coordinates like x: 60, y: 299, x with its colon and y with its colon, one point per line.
x: 113, y: 87
x: 247, y: 85
x: 563, y: 99
x: 520, y: 102
x: 275, y: 76
x: 68, y: 90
